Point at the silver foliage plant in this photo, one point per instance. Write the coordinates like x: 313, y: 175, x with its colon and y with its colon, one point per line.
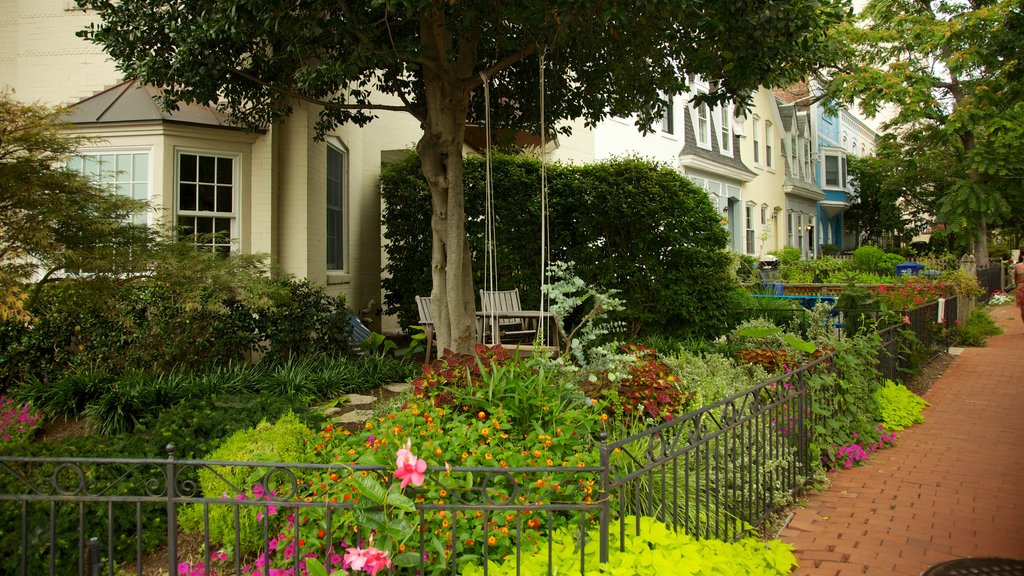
x: 587, y: 343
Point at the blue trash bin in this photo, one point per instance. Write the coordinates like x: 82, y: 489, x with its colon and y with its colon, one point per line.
x: 908, y: 268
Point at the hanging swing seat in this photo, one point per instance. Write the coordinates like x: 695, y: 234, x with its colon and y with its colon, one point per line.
x: 502, y: 305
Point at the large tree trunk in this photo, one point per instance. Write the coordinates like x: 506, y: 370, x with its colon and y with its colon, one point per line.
x: 453, y: 307
x: 981, y: 244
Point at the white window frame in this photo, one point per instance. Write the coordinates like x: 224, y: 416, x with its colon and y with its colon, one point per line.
x: 726, y: 130
x: 756, y: 138
x: 807, y: 159
x: 800, y: 232
x: 840, y: 159
x: 335, y: 145
x: 112, y: 182
x: 668, y: 123
x: 750, y: 239
x: 792, y: 155
x: 234, y: 227
x: 769, y: 160
x: 703, y: 125
x: 764, y: 214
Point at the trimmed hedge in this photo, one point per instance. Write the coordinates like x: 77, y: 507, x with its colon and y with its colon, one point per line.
x: 154, y: 325
x: 628, y: 224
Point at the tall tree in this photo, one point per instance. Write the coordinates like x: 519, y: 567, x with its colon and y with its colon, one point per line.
x: 429, y: 58
x: 53, y: 219
x: 948, y: 71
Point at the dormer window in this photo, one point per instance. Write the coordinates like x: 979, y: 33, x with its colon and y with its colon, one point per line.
x: 703, y: 126
x: 726, y: 123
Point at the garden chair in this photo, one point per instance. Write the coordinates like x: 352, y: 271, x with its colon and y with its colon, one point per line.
x: 423, y: 306
x: 510, y: 328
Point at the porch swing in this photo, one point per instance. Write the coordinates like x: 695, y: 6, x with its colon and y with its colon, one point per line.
x: 502, y: 320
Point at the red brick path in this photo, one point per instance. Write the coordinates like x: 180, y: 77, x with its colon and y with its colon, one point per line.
x: 953, y: 487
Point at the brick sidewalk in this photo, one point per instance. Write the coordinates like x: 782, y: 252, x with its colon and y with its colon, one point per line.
x: 953, y: 487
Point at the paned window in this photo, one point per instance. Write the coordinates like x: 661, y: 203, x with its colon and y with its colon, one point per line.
x: 703, y: 126
x: 794, y: 167
x: 335, y: 208
x: 769, y: 160
x: 807, y: 160
x: 668, y: 123
x: 206, y: 210
x: 726, y: 129
x: 800, y: 231
x: 749, y: 228
x: 835, y: 170
x: 756, y: 137
x: 122, y: 173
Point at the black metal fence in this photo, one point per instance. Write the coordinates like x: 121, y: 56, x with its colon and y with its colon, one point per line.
x: 711, y: 473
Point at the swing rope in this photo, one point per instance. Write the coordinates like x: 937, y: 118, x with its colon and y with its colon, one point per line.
x: 490, y: 236
x: 490, y: 261
x: 545, y: 233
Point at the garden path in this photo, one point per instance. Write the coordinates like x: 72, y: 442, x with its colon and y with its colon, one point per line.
x: 953, y: 487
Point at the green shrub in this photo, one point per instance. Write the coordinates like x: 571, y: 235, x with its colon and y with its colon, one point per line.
x: 900, y: 408
x: 977, y: 329
x: 155, y: 324
x: 844, y: 405
x: 872, y: 260
x: 712, y: 376
x: 306, y: 321
x: 196, y: 427
x: 788, y: 255
x: 283, y: 441
x: 665, y: 247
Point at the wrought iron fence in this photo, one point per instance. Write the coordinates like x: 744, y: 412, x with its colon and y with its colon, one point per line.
x: 711, y: 473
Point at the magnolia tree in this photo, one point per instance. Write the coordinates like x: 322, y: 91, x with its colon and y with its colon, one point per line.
x: 429, y: 58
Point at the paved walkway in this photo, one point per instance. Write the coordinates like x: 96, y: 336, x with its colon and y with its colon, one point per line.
x: 953, y: 487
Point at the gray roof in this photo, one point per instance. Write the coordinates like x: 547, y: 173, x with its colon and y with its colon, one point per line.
x: 131, y: 102
x: 690, y: 147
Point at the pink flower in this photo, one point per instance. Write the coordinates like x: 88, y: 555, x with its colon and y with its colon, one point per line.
x: 370, y: 559
x: 410, y: 468
x: 906, y: 319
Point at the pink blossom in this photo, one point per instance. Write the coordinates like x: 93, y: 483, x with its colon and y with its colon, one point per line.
x: 370, y: 559
x: 906, y: 319
x: 409, y: 467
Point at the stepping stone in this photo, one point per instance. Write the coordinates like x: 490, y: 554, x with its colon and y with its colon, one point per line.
x: 356, y: 416
x: 399, y: 387
x: 954, y: 351
x: 359, y: 399
x: 332, y: 412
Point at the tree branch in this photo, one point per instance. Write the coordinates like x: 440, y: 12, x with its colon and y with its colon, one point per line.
x: 324, y: 103
x: 475, y: 82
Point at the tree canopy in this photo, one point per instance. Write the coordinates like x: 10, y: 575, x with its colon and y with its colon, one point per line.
x: 429, y: 58
x: 949, y: 74
x: 53, y: 219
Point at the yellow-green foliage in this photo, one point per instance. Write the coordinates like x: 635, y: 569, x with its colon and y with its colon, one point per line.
x: 899, y: 407
x: 282, y: 441
x: 656, y: 550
